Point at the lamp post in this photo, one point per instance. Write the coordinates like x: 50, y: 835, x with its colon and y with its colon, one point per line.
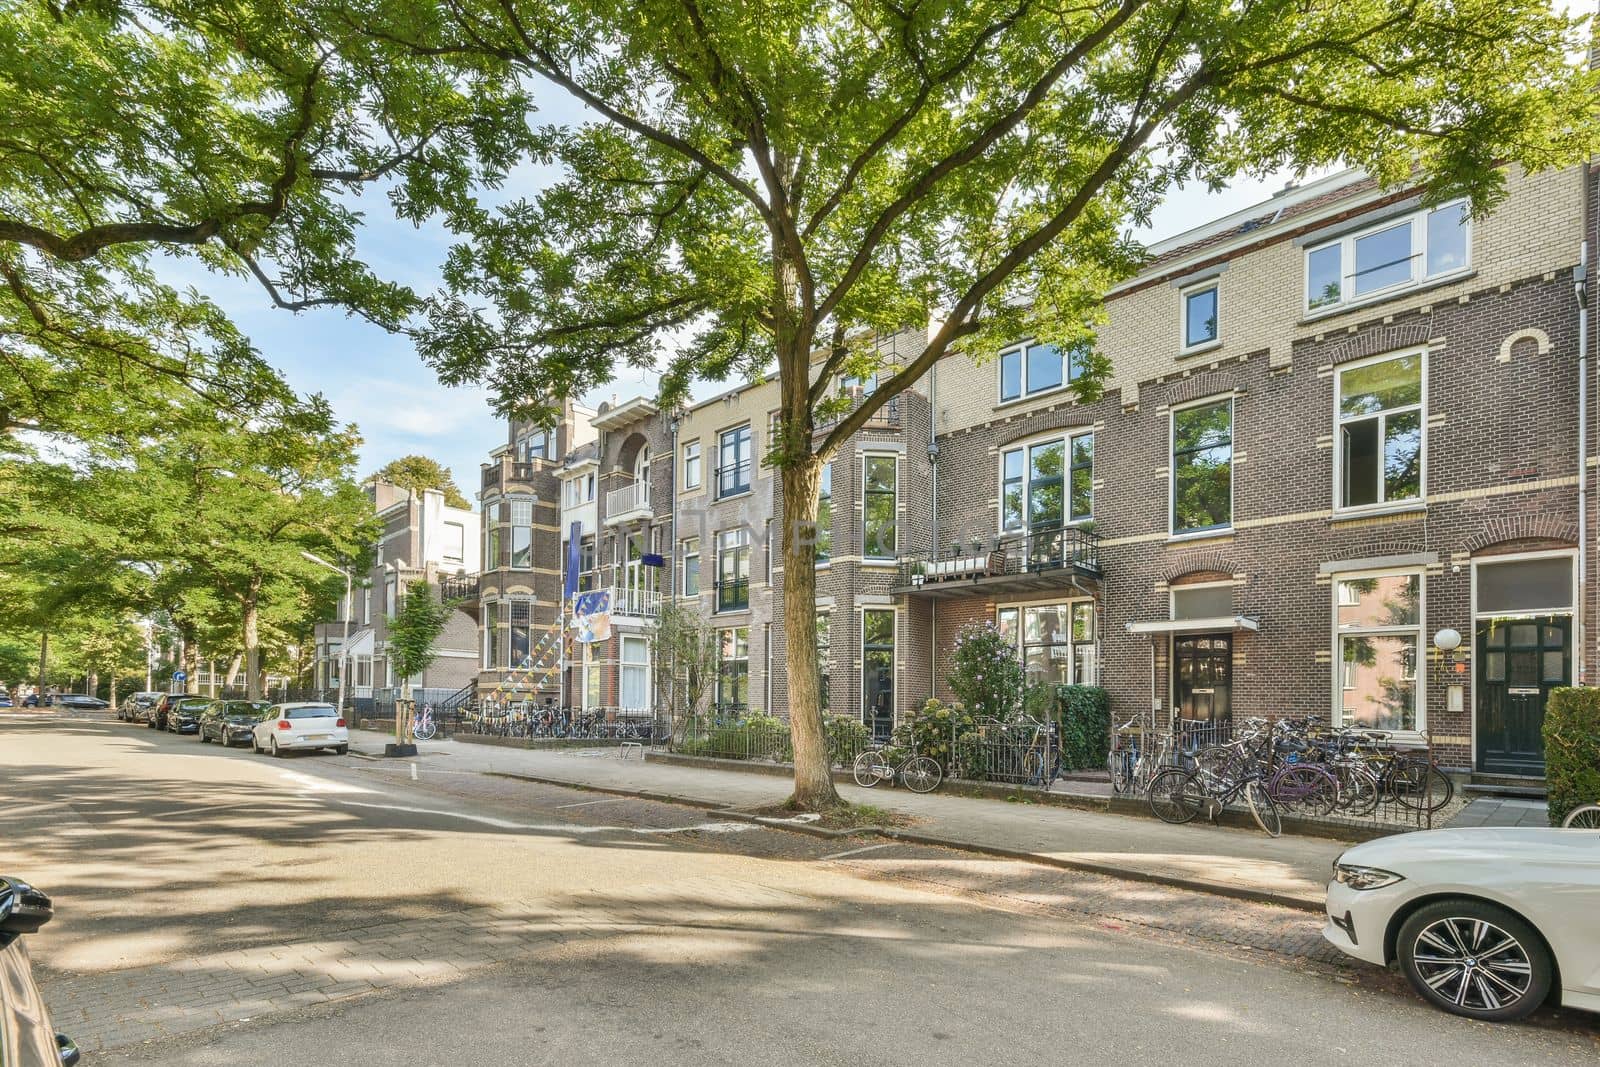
x: 349, y: 606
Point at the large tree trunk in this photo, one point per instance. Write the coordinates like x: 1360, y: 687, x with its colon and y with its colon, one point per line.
x: 44, y: 662
x: 252, y: 641
x: 191, y: 660
x: 813, y: 775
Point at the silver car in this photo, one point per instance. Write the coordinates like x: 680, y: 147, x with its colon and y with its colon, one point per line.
x: 26, y: 1036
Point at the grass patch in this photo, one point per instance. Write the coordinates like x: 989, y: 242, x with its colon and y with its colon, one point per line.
x: 843, y: 817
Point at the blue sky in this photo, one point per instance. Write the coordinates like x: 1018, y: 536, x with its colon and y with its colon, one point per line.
x: 375, y: 379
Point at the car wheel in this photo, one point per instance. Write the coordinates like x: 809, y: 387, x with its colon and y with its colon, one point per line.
x: 255, y: 745
x: 1475, y: 959
x: 222, y: 739
x: 201, y: 734
x: 341, y: 750
x: 277, y: 753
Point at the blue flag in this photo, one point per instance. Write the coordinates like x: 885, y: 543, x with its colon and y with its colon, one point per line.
x: 574, y: 561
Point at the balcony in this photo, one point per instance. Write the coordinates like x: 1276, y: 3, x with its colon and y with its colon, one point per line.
x: 504, y: 471
x: 733, y: 479
x: 462, y: 588
x: 1037, y: 560
x: 885, y: 418
x: 637, y: 603
x: 627, y: 504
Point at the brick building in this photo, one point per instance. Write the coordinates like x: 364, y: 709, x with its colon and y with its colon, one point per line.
x: 1339, y: 423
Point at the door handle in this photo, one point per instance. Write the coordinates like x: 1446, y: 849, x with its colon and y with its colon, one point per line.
x: 1211, y: 691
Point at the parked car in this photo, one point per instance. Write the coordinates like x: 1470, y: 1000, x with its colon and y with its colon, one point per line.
x: 231, y: 721
x: 26, y: 1036
x: 183, y: 717
x: 287, y: 727
x: 156, y: 717
x: 5, y: 701
x: 82, y: 701
x: 1487, y: 922
x: 134, y: 708
x: 32, y: 700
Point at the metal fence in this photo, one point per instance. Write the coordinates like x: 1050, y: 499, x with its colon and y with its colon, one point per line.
x: 763, y: 738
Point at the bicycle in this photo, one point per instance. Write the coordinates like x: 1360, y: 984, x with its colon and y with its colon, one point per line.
x: 1122, y: 763
x: 1583, y: 817
x: 1177, y: 800
x: 423, y: 726
x: 1041, y: 762
x: 920, y: 774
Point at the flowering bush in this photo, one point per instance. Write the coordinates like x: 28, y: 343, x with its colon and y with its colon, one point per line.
x: 987, y: 676
x: 933, y: 730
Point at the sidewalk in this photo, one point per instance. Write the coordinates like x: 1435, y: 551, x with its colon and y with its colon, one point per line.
x: 1292, y: 871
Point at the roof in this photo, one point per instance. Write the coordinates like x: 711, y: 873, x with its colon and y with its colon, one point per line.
x: 585, y: 455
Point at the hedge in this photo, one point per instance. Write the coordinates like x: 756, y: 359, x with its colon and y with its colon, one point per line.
x: 1085, y: 715
x: 1572, y: 749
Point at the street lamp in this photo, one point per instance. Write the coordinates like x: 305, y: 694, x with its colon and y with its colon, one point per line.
x: 349, y: 607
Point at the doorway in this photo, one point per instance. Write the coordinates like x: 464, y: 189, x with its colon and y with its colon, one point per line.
x: 1519, y: 660
x: 1202, y: 676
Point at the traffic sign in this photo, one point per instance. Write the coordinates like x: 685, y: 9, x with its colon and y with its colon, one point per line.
x: 180, y: 676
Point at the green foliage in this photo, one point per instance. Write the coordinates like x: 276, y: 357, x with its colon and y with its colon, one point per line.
x: 847, y: 737
x: 940, y: 731
x: 986, y: 676
x: 418, y: 473
x: 1085, y: 726
x: 415, y: 627
x: 1572, y: 750
x: 753, y: 737
x: 685, y: 660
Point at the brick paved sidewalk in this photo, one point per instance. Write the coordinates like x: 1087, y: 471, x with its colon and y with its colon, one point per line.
x: 1292, y: 871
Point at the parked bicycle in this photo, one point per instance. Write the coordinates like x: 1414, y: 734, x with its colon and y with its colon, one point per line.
x: 1584, y: 817
x: 423, y: 726
x: 920, y: 774
x: 1178, y: 796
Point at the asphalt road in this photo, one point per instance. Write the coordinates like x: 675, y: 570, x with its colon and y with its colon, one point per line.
x: 219, y: 908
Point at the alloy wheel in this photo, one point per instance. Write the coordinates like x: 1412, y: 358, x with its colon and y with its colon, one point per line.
x: 1472, y: 963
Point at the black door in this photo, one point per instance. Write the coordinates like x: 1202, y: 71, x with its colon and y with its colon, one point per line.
x: 1202, y: 679
x: 1519, y: 662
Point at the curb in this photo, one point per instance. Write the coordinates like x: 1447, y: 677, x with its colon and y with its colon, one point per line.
x: 1219, y: 889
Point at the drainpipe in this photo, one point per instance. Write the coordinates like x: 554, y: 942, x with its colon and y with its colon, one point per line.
x: 933, y: 521
x: 1580, y: 289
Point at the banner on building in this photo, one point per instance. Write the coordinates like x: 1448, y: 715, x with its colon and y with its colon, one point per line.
x: 591, y: 616
x: 574, y: 562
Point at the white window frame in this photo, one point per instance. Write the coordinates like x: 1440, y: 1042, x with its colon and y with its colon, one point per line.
x: 867, y: 457
x: 1184, y: 295
x: 1339, y: 419
x: 1418, y: 221
x: 1028, y: 393
x: 683, y: 585
x: 1173, y: 534
x: 1067, y: 436
x: 1419, y: 630
x: 692, y: 465
x: 1019, y: 643
x: 638, y: 666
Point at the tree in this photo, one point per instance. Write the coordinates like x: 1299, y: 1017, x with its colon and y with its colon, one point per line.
x: 685, y: 658
x: 756, y: 185
x: 417, y: 473
x: 413, y: 630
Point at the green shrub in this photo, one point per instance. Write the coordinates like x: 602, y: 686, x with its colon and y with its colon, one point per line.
x: 1085, y: 718
x: 1572, y: 750
x: 987, y: 676
x: 752, y: 737
x: 847, y: 737
x: 938, y: 730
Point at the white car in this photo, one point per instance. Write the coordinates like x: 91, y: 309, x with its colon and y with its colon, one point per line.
x: 288, y: 727
x: 1486, y: 922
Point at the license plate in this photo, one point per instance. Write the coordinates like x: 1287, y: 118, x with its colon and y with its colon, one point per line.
x: 317, y: 737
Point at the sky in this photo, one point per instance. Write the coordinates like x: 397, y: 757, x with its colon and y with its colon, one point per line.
x: 376, y: 380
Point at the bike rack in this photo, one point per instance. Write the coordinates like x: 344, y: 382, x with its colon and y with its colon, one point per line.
x: 629, y: 746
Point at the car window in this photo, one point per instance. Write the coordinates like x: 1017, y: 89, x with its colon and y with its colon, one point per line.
x: 239, y: 707
x: 322, y: 711
x: 193, y: 705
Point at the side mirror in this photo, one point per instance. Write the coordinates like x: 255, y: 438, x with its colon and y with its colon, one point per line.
x: 23, y: 909
x: 67, y: 1049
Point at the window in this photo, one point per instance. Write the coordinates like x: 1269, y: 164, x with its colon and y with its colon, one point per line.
x: 733, y: 669
x: 1200, y: 316
x: 388, y: 595
x: 824, y: 536
x: 1378, y: 619
x: 592, y: 696
x: 1381, y: 427
x: 491, y: 635
x: 1390, y: 256
x: 878, y: 507
x: 589, y: 487
x: 1202, y: 467
x: 635, y: 681
x: 1057, y: 643
x: 586, y: 564
x: 1034, y: 483
x: 691, y: 465
x: 1209, y: 601
x: 455, y: 542
x: 366, y: 606
x: 733, y: 462
x: 534, y: 445
x: 691, y: 567
x: 772, y: 551
x: 877, y: 668
x: 1525, y: 587
x: 824, y: 646
x: 850, y: 385
x: 519, y: 623
x: 522, y: 533
x: 733, y: 570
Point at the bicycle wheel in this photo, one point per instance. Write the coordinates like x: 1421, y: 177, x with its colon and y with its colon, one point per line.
x: 1172, y: 798
x: 1119, y: 765
x: 921, y: 774
x: 424, y: 730
x: 1585, y: 818
x: 1358, y: 791
x: 1420, y: 786
x: 870, y: 768
x: 1263, y: 807
x: 1302, y: 789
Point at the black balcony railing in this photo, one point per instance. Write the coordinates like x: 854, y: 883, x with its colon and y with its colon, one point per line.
x: 1028, y: 552
x: 885, y: 418
x: 497, y: 474
x: 733, y: 594
x: 459, y: 587
x: 733, y: 479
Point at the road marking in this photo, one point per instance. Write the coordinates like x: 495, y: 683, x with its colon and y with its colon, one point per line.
x: 564, y: 828
x: 413, y: 772
x: 591, y: 803
x: 856, y: 852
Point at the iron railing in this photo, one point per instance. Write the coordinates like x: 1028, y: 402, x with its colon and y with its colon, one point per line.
x: 630, y: 498
x: 732, y: 479
x: 885, y: 418
x: 1025, y: 552
x: 733, y: 594
x: 459, y: 587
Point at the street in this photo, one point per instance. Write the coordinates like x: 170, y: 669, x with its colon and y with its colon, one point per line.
x: 215, y: 907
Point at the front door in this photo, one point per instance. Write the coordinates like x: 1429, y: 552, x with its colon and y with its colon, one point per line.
x: 1202, y: 678
x: 1518, y: 662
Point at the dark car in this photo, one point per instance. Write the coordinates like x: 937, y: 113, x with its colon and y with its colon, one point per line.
x: 32, y: 701
x: 82, y: 701
x: 26, y: 1037
x: 183, y: 717
x: 156, y: 717
x: 230, y: 721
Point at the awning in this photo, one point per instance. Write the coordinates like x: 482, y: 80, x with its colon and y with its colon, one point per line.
x: 1218, y: 624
